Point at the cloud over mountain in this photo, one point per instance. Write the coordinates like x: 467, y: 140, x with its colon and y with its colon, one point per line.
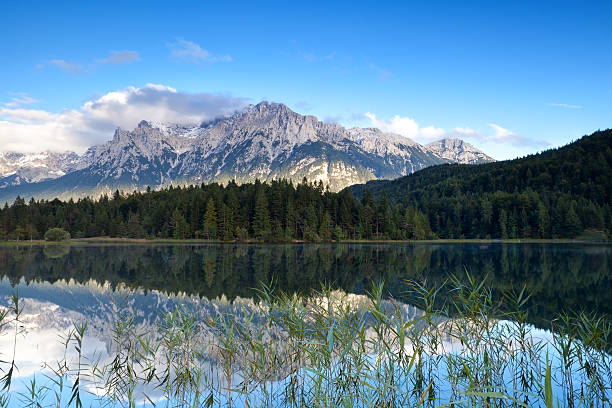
x: 409, y: 128
x: 33, y: 130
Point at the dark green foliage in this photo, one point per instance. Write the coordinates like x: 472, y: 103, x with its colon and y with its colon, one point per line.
x: 556, y: 194
x: 275, y: 211
x: 261, y: 219
x: 57, y: 234
x: 559, y: 193
x: 210, y: 220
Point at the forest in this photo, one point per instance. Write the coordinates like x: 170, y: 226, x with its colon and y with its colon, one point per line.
x: 559, y: 193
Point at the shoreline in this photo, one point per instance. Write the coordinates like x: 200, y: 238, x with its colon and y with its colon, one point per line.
x: 153, y: 241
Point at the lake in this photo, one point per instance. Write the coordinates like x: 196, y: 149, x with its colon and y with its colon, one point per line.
x: 60, y: 285
x: 559, y: 277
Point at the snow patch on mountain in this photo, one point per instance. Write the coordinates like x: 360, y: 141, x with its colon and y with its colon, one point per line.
x: 35, y: 167
x: 265, y: 141
x: 458, y: 151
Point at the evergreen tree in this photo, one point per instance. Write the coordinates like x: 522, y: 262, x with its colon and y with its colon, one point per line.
x: 572, y: 223
x: 503, y: 224
x: 325, y: 229
x: 486, y: 215
x: 178, y: 225
x: 310, y: 223
x: 226, y: 225
x: 261, y: 220
x: 543, y: 221
x: 210, y: 220
x: 134, y: 227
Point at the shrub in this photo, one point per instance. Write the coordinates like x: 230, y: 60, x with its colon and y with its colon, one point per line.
x: 57, y: 234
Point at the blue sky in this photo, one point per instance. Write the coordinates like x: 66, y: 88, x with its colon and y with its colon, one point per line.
x: 511, y: 79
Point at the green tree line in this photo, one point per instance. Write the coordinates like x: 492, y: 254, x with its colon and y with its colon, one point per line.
x: 275, y: 211
x: 556, y: 194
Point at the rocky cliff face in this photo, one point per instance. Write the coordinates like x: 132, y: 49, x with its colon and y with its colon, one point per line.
x: 264, y: 141
x: 456, y: 150
x: 19, y: 168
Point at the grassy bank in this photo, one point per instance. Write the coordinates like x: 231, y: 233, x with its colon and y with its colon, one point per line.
x: 329, y: 350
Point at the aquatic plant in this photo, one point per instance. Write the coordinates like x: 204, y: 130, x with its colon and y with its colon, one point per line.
x: 330, y: 349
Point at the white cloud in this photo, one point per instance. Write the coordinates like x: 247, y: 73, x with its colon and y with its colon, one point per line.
x: 505, y: 136
x: 409, y: 128
x: 25, y: 115
x: 432, y: 133
x: 20, y: 99
x: 31, y: 130
x: 401, y: 125
x: 466, y: 131
x: 70, y: 67
x: 121, y: 57
x: 76, y: 68
x: 565, y: 105
x: 185, y: 50
x: 502, y: 134
x: 162, y: 88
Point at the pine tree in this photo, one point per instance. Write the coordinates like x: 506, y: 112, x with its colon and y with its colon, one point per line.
x: 226, y: 226
x: 487, y: 215
x: 261, y: 219
x: 134, y: 227
x: 525, y: 228
x: 178, y: 225
x: 290, y: 219
x: 573, y: 226
x: 210, y: 220
x: 543, y: 221
x: 503, y: 222
x: 325, y: 229
x: 513, y: 225
x: 310, y: 223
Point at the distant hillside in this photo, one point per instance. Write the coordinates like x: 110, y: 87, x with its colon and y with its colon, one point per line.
x: 557, y: 193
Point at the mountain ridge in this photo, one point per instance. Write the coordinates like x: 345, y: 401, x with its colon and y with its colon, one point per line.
x: 459, y: 151
x: 264, y: 141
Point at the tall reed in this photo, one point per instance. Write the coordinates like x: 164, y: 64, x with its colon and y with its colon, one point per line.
x: 333, y: 349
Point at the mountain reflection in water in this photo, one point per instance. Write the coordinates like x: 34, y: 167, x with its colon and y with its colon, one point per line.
x: 559, y: 277
x: 60, y: 285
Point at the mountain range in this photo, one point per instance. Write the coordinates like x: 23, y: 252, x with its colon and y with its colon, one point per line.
x: 18, y: 168
x: 264, y: 141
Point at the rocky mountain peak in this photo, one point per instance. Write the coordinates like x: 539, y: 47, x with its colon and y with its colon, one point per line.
x: 264, y: 141
x: 17, y: 168
x: 459, y: 151
x: 271, y: 114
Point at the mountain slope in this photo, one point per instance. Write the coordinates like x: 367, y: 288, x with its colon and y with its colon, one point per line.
x: 22, y: 168
x: 264, y: 141
x: 557, y: 193
x: 458, y: 151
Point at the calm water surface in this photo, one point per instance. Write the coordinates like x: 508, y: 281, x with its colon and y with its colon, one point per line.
x: 559, y: 277
x: 60, y: 285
